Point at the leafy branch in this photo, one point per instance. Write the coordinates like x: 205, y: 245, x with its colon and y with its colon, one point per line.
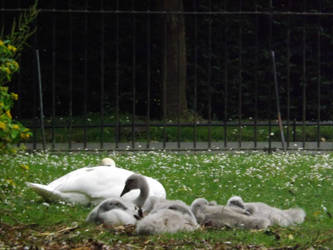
x: 21, y: 28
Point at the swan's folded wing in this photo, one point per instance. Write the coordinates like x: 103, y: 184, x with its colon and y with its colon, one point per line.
x: 91, y: 180
x: 156, y: 188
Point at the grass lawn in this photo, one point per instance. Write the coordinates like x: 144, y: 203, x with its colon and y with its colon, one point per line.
x: 281, y: 180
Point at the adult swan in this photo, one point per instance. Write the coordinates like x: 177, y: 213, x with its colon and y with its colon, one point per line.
x: 91, y: 185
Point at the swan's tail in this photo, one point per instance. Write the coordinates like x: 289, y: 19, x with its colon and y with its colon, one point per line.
x: 296, y: 214
x: 54, y: 195
x: 44, y: 191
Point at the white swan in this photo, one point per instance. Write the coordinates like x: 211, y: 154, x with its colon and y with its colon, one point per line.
x: 92, y: 185
x: 275, y: 215
x: 210, y: 214
x: 114, y: 212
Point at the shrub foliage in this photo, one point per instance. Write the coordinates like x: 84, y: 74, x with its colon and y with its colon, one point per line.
x: 12, y: 132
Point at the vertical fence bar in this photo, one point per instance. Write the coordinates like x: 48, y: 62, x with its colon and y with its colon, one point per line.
x: 240, y: 35
x: 117, y: 128
x: 19, y: 78
x: 288, y: 76
x: 209, y: 76
x: 102, y: 75
x: 178, y: 77
x: 35, y: 84
x: 54, y: 21
x: 148, y: 74
x: 304, y: 76
x: 85, y: 75
x: 2, y: 13
x: 70, y: 73
x: 256, y: 81
x: 133, y: 74
x: 165, y: 48
x: 319, y: 76
x: 269, y: 91
x: 294, y: 130
x: 225, y: 48
x: 195, y: 97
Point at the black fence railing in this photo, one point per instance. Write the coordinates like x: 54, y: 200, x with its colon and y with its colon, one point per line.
x: 177, y: 75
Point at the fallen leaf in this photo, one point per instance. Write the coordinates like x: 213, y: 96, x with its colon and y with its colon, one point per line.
x: 120, y: 228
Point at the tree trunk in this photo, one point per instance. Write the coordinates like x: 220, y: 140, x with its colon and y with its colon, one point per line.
x: 174, y: 61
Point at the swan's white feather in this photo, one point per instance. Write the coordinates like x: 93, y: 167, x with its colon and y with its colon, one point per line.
x: 92, y: 185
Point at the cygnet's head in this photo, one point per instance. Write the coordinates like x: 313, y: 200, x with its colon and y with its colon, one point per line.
x: 96, y: 214
x: 236, y: 201
x: 110, y: 204
x: 198, y: 204
x: 134, y: 181
x: 108, y: 162
x: 182, y: 209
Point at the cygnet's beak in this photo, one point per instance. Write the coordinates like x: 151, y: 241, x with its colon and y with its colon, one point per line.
x: 139, y: 216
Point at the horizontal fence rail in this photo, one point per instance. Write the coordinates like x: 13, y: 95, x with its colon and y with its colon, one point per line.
x: 177, y: 75
x: 214, y: 13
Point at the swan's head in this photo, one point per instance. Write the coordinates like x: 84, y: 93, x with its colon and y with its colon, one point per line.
x: 134, y: 181
x: 108, y: 162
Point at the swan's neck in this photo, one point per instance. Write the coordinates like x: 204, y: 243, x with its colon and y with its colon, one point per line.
x: 144, y: 192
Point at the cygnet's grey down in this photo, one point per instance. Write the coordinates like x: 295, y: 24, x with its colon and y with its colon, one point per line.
x: 169, y: 219
x: 114, y: 212
x: 275, y: 215
x: 160, y: 215
x: 145, y: 204
x: 154, y: 204
x: 210, y: 214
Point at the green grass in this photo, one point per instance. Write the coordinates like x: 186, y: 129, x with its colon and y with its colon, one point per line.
x: 171, y: 133
x: 281, y: 180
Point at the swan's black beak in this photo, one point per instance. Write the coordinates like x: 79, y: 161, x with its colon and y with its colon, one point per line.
x: 125, y: 190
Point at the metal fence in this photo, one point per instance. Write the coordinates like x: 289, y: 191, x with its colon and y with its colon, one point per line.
x: 177, y: 75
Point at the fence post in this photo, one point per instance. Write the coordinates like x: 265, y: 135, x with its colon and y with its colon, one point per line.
x: 278, y: 103
x: 40, y: 99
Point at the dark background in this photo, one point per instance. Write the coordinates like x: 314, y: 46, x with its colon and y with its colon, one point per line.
x: 229, y: 66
